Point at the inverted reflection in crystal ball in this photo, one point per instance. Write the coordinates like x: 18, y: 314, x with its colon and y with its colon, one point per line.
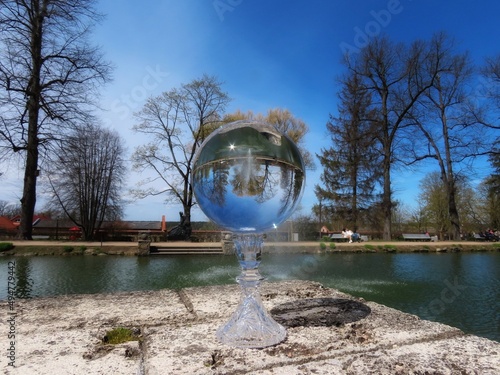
x: 248, y: 177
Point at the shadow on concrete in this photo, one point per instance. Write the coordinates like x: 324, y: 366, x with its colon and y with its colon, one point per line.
x: 319, y: 312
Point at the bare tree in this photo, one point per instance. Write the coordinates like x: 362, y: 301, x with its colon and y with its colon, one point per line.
x: 49, y: 74
x: 177, y: 122
x: 86, y: 177
x: 9, y: 210
x: 491, y: 71
x: 491, y: 74
x: 451, y: 134
x: 395, y: 78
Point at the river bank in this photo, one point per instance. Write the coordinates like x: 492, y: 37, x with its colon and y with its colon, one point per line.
x: 68, y: 248
x: 176, y: 335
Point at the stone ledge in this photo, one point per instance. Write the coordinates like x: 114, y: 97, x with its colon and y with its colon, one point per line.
x: 62, y: 335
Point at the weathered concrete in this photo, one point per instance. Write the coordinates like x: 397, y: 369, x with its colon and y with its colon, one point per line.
x: 63, y: 335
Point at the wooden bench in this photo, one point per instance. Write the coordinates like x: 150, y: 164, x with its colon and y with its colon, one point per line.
x: 40, y: 237
x: 478, y: 237
x: 416, y: 237
x: 338, y: 237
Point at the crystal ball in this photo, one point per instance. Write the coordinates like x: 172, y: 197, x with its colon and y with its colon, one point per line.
x: 248, y: 177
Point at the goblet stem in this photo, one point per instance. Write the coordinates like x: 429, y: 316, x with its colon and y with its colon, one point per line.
x: 250, y: 326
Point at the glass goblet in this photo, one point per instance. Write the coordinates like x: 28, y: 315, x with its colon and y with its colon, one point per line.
x: 248, y: 178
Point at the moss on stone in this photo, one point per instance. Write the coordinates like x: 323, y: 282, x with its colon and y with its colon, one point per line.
x: 119, y: 335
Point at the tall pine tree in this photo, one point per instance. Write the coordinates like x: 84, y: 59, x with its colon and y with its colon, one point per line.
x: 350, y: 165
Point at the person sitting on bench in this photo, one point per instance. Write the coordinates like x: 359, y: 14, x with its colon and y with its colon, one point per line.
x: 347, y: 233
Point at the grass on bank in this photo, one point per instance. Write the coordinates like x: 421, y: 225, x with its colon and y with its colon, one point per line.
x: 6, y: 246
x: 66, y: 250
x: 119, y: 335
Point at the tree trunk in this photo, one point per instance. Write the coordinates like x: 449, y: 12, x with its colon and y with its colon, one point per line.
x: 449, y: 178
x: 28, y: 201
x: 387, y: 197
x: 187, y: 220
x: 453, y: 212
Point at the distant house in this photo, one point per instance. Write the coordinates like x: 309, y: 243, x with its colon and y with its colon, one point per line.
x: 7, y: 227
x: 64, y: 229
x: 324, y: 230
x: 16, y: 220
x: 110, y: 230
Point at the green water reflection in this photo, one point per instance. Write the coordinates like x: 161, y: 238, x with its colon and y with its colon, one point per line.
x: 459, y: 289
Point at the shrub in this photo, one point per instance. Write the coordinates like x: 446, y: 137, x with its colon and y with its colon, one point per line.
x: 325, y: 239
x: 6, y: 246
x: 322, y: 245
x: 68, y: 249
x: 390, y: 248
x: 332, y: 246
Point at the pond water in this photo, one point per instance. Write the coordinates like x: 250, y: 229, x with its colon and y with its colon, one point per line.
x: 459, y: 289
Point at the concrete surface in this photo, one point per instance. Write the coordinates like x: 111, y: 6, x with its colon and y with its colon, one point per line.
x: 63, y: 335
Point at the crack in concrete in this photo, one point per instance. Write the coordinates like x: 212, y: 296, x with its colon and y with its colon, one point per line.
x: 187, y: 302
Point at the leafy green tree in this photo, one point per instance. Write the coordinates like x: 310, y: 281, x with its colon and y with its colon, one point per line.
x: 285, y: 122
x: 433, y: 194
x: 493, y: 191
x: 419, y: 217
x: 435, y: 203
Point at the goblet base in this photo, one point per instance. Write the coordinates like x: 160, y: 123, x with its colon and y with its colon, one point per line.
x: 251, y: 326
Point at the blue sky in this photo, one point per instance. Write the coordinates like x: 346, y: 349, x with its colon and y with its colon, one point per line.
x: 280, y: 53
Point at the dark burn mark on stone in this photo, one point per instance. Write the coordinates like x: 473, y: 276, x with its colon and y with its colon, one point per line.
x: 319, y: 312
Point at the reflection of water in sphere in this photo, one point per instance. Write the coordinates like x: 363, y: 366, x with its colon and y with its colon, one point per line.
x: 247, y: 177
